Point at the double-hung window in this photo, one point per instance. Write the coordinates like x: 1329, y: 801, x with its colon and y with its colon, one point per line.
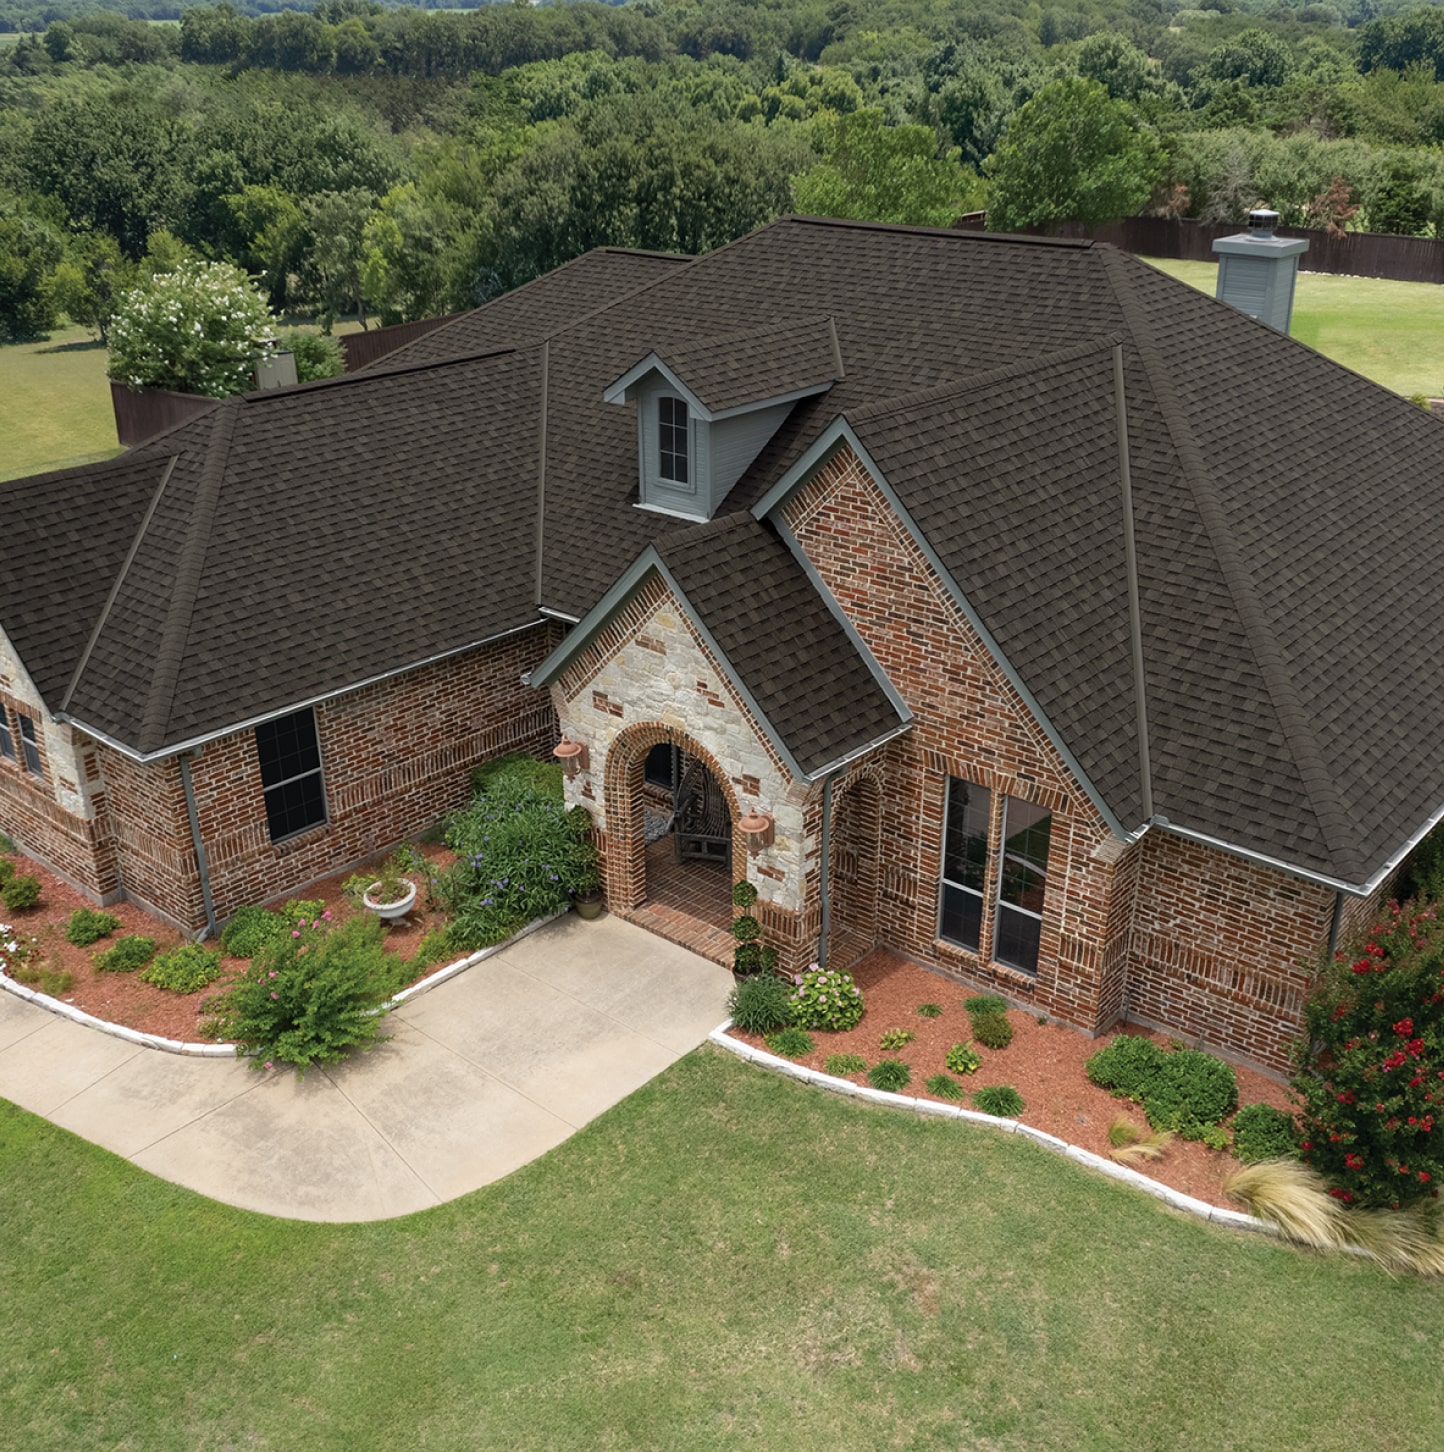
x: 7, y: 741
x: 30, y: 746
x: 290, y: 758
x: 1011, y: 875
x: 672, y: 439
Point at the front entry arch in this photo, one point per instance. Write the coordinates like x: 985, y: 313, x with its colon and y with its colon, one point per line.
x: 625, y: 807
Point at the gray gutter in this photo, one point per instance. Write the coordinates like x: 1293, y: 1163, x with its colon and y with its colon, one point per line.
x: 251, y: 721
x: 825, y: 879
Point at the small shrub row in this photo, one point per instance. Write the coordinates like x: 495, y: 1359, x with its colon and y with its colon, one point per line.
x: 1183, y: 1090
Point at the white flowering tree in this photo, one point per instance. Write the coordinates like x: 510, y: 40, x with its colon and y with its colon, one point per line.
x: 199, y: 329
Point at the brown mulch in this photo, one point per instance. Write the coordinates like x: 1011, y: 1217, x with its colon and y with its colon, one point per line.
x: 1044, y: 1063
x: 122, y: 998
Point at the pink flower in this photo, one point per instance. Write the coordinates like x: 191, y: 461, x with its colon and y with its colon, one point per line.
x: 273, y: 973
x: 274, y: 994
x: 295, y: 932
x: 326, y: 917
x: 269, y: 1064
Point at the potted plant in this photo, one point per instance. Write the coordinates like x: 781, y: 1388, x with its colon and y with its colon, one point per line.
x: 391, y: 895
x: 587, y: 894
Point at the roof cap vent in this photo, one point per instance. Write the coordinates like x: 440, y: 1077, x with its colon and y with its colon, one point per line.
x: 1261, y: 222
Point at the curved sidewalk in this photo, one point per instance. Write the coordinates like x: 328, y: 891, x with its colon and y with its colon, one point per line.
x: 479, y: 1076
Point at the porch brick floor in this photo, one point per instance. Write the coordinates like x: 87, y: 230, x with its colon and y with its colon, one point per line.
x: 688, y: 903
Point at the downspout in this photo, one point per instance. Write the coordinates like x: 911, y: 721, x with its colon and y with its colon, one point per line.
x: 1335, y: 921
x: 825, y: 894
x: 202, y: 865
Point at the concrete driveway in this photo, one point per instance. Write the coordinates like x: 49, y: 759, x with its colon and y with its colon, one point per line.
x: 479, y: 1076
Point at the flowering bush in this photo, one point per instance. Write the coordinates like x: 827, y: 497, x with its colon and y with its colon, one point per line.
x: 519, y: 854
x: 311, y: 997
x: 199, y: 329
x: 826, y: 999
x: 15, y: 951
x: 254, y: 928
x: 1369, y: 1068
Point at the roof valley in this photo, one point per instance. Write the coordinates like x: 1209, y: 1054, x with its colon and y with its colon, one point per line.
x: 1323, y: 793
x: 189, y: 568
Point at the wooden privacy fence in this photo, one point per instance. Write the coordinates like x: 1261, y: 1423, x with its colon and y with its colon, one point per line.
x: 365, y: 348
x: 142, y: 413
x: 1362, y: 254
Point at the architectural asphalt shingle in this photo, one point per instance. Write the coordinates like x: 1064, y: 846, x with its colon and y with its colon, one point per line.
x: 282, y: 547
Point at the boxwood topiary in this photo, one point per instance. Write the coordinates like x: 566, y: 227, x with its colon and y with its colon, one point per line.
x: 743, y: 894
x: 761, y: 1005
x: 1261, y: 1132
x: 992, y: 1030
x: 746, y: 929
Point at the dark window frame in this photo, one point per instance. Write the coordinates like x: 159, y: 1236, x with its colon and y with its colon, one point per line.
x: 295, y: 800
x: 30, y: 746
x: 1014, y: 923
x: 7, y: 738
x: 674, y: 441
x: 954, y: 894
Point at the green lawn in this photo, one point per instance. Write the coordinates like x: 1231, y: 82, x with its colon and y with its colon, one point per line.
x: 725, y: 1259
x: 54, y: 404
x: 1392, y: 332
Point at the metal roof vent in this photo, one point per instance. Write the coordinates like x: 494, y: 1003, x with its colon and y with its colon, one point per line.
x: 1257, y: 269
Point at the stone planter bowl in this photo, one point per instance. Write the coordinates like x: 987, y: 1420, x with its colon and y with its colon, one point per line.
x: 389, y: 912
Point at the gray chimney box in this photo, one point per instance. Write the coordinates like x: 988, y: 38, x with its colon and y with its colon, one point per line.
x: 1256, y: 270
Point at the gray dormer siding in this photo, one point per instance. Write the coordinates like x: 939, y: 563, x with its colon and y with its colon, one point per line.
x: 717, y: 452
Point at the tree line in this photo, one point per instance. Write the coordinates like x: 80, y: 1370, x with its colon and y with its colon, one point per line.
x: 399, y: 163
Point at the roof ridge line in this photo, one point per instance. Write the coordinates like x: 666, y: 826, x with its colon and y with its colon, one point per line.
x: 188, y: 570
x: 1268, y: 655
x: 115, y: 585
x: 973, y: 381
x: 1068, y: 244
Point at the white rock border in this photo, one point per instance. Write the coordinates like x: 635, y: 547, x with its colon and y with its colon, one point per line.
x: 228, y: 1051
x: 1201, y: 1209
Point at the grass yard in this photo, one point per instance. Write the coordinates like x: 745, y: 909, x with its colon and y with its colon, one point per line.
x: 1392, y: 332
x: 54, y: 404
x: 725, y: 1259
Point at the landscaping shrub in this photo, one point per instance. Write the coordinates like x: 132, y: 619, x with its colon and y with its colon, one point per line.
x: 55, y: 983
x: 1000, y: 1100
x: 992, y: 1030
x: 126, y: 954
x: 1184, y: 1090
x: 827, y: 999
x: 519, y: 855
x: 435, y: 947
x: 744, y: 895
x: 841, y: 1064
x: 184, y: 969
x: 746, y: 929
x: 898, y: 1038
x: 7, y: 868
x: 944, y: 1088
x: 86, y: 926
x: 930, y: 1010
x: 890, y: 1075
x: 1369, y: 1067
x: 1261, y: 1132
x: 253, y: 928
x: 790, y: 1043
x: 984, y: 1003
x: 963, y: 1059
x: 312, y: 999
x: 20, y: 894
x: 760, y: 1005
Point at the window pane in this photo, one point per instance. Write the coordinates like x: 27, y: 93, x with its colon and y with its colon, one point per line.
x: 287, y: 747
x: 7, y: 741
x: 659, y: 767
x: 295, y: 806
x: 1018, y: 935
x: 672, y: 439
x: 1024, y: 873
x: 962, y: 917
x: 30, y: 746
x: 965, y: 837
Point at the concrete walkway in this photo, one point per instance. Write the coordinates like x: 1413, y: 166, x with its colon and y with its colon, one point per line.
x: 479, y: 1076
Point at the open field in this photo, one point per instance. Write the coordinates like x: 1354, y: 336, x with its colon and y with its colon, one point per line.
x: 54, y: 404
x: 1392, y: 332
x: 725, y: 1259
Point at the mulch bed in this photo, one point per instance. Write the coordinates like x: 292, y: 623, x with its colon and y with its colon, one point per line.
x: 1044, y: 1063
x: 122, y: 998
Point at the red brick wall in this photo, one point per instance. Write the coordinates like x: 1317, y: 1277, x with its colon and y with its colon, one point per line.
x: 970, y: 723
x: 146, y: 820
x: 396, y: 755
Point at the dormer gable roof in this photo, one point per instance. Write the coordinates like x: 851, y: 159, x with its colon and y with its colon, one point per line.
x: 734, y: 373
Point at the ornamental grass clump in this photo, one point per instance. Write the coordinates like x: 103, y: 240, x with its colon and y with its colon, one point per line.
x: 1000, y: 1100
x: 761, y: 1004
x: 86, y: 926
x: 897, y: 1038
x: 1128, y: 1142
x: 942, y: 1087
x: 312, y: 997
x: 842, y: 1064
x: 890, y: 1075
x: 790, y: 1043
x: 519, y: 852
x: 826, y: 999
x: 1369, y: 1067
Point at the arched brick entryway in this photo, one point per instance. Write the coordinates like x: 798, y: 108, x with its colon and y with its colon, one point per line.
x: 623, y: 838
x: 853, y: 880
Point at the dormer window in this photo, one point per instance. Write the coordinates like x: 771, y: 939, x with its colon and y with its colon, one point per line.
x: 672, y: 439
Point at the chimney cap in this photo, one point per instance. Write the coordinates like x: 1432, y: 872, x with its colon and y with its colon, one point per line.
x: 1262, y: 221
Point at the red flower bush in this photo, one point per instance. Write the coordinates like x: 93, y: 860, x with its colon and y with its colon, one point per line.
x: 1369, y: 1065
